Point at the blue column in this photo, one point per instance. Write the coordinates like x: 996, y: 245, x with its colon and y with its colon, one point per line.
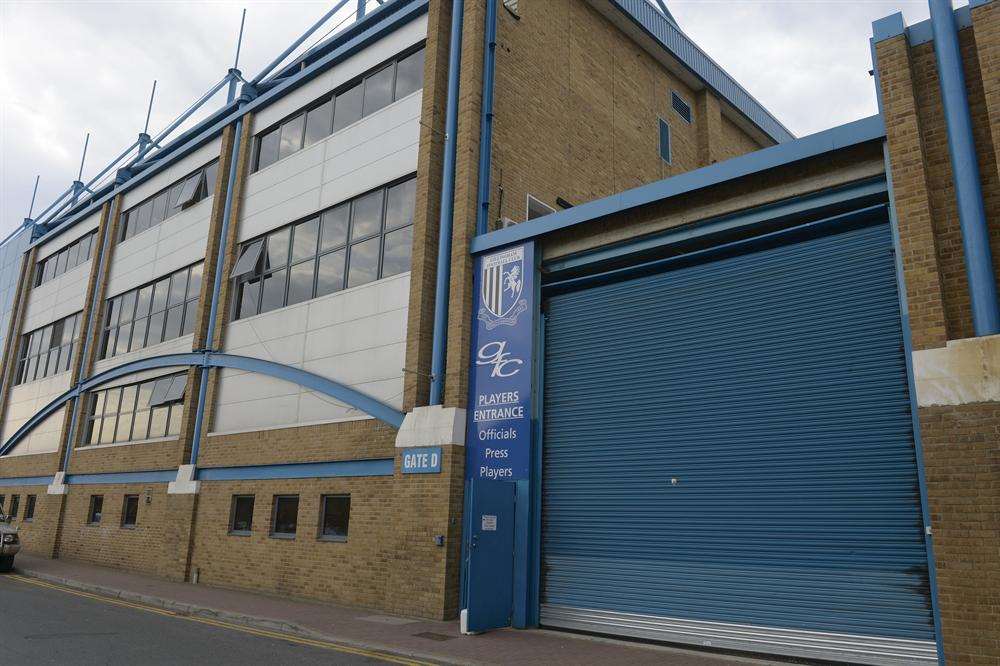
x: 965, y: 168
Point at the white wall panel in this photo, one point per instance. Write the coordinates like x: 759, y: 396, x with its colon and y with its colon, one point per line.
x: 176, y: 242
x: 62, y: 240
x: 181, y: 345
x: 356, y: 337
x: 369, y: 153
x: 171, y: 174
x: 400, y: 40
x: 25, y: 401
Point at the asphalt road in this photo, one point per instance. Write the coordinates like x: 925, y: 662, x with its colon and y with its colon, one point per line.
x: 41, y: 624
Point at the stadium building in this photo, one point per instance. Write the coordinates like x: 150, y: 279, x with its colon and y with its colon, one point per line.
x: 525, y: 312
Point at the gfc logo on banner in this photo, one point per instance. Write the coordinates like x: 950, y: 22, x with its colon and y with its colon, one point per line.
x: 501, y: 286
x: 498, y: 444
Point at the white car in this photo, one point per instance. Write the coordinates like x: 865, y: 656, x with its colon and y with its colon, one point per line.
x: 10, y: 545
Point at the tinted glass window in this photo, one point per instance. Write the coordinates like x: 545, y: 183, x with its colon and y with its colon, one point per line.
x: 364, y: 262
x: 241, y: 521
x: 130, y: 510
x: 330, y: 275
x: 378, y: 90
x: 96, y: 509
x: 300, y: 282
x: 336, y: 517
x: 291, y: 136
x: 367, y: 216
x: 319, y: 123
x: 347, y: 107
x: 335, y: 223
x: 410, y: 74
x: 396, y: 257
x: 399, y: 204
x: 267, y: 151
x: 286, y: 515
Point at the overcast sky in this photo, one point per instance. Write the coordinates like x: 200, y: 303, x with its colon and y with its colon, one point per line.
x: 67, y: 68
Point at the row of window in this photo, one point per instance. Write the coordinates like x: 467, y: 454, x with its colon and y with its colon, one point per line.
x: 169, y: 201
x: 353, y: 243
x: 153, y: 313
x: 130, y: 511
x: 144, y: 410
x: 15, y: 506
x: 332, y: 113
x: 68, y: 258
x: 334, y: 516
x: 48, y: 350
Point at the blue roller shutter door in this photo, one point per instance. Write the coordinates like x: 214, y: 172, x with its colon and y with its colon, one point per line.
x: 728, y: 457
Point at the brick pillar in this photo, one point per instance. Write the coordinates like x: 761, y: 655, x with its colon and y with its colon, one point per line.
x: 911, y: 193
x: 427, y: 212
x: 708, y: 121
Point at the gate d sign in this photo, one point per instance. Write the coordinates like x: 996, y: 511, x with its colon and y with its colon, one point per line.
x: 426, y: 460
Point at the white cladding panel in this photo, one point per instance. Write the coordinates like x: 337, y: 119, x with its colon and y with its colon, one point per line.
x: 181, y: 345
x: 356, y: 337
x: 366, y: 59
x: 176, y: 242
x: 64, y: 295
x: 171, y: 174
x: 361, y: 157
x: 25, y: 401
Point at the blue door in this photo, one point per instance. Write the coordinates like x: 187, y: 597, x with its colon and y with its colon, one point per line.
x: 490, y: 551
x: 729, y: 457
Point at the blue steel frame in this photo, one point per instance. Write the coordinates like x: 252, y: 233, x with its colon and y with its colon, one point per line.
x: 314, y: 382
x: 895, y: 22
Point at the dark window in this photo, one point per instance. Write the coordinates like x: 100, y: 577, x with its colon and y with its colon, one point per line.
x: 96, y: 509
x: 153, y: 313
x: 336, y: 516
x: 285, y: 519
x: 665, y: 153
x: 334, y: 112
x: 145, y: 410
x: 351, y: 244
x: 410, y: 74
x: 48, y: 350
x: 169, y: 201
x: 130, y: 510
x: 3, y: 498
x: 241, y: 515
x: 682, y: 108
x: 15, y: 504
x: 65, y: 259
x: 29, y: 508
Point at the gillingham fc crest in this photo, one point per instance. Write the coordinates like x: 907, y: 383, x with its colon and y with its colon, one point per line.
x: 502, y: 283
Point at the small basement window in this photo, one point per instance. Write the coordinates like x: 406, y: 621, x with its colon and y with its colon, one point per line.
x: 336, y: 517
x: 96, y: 509
x: 682, y: 108
x: 285, y: 518
x: 130, y: 511
x: 241, y: 515
x: 538, y: 208
x: 665, y: 151
x: 29, y: 509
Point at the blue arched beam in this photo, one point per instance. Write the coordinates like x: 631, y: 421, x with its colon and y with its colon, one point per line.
x: 314, y: 382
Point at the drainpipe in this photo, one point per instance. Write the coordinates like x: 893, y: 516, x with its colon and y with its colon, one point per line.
x: 486, y: 122
x: 965, y: 169
x: 216, y: 289
x: 440, y: 340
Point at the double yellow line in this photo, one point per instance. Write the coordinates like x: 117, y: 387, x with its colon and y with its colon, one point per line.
x: 263, y: 633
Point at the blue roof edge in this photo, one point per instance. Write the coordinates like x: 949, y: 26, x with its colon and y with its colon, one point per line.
x: 668, y: 35
x: 813, y: 145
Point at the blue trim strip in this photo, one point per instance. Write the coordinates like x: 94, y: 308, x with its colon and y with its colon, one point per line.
x: 156, y: 476
x: 888, y: 27
x: 374, y: 467
x: 904, y: 314
x: 26, y: 481
x: 335, y: 390
x: 814, y: 145
x: 670, y: 37
x: 343, y: 46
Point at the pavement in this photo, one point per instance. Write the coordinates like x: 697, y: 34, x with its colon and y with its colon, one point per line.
x: 327, y: 632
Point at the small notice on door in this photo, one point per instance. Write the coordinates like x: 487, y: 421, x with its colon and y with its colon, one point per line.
x: 489, y: 523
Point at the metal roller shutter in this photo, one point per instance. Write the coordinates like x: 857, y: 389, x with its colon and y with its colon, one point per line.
x: 728, y: 457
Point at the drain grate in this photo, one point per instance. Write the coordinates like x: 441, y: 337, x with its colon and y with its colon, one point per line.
x: 430, y: 635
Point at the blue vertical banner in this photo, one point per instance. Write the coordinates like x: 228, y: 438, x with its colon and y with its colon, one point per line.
x: 499, y: 422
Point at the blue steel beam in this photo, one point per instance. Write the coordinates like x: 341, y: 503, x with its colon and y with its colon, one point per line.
x: 441, y: 289
x: 311, y: 381
x: 965, y: 171
x: 486, y: 119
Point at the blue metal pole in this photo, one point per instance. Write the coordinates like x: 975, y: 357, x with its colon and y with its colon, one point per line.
x: 284, y: 54
x: 216, y: 290
x: 441, y: 295
x: 486, y: 122
x: 361, y: 9
x: 965, y: 171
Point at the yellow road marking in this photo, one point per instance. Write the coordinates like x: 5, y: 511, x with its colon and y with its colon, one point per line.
x: 263, y: 633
